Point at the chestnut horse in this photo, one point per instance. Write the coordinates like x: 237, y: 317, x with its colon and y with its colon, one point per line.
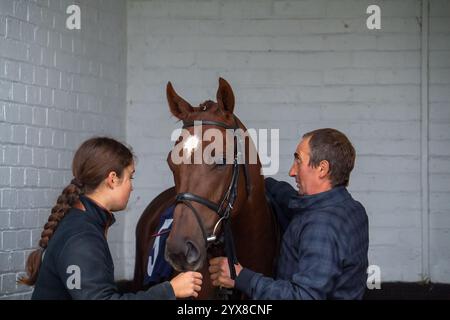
x: 204, y: 194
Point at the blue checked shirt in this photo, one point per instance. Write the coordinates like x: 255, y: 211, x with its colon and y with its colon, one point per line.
x: 323, y: 251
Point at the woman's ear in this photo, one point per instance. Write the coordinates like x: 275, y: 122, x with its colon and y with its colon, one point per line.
x: 111, y: 180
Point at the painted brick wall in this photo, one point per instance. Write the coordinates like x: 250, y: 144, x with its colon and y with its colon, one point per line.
x: 440, y: 140
x: 57, y: 88
x: 297, y: 66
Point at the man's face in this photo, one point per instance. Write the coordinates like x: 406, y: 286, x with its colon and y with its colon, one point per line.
x: 306, y: 177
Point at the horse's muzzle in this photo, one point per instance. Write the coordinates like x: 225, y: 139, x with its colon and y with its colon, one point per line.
x: 185, y: 256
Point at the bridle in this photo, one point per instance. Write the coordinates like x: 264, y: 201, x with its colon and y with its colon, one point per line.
x: 224, y: 208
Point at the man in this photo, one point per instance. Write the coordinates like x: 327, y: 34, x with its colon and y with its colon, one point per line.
x: 324, y: 248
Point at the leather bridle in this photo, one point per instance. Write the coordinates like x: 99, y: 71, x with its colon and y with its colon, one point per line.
x: 224, y: 208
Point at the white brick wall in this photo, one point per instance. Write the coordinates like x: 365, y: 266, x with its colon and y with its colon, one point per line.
x: 440, y: 140
x: 57, y: 88
x: 313, y: 61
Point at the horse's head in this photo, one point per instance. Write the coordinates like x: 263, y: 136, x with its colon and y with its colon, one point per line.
x: 205, y: 187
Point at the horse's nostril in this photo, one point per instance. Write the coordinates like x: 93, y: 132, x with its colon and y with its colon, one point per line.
x: 192, y: 253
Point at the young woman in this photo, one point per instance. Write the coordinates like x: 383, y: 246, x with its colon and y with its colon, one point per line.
x: 74, y: 260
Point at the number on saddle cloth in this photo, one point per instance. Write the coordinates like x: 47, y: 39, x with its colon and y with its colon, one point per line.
x: 158, y: 269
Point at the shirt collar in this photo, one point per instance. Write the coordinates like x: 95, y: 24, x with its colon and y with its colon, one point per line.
x: 320, y: 200
x: 103, y: 216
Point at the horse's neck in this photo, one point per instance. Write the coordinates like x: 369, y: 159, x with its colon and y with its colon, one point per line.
x: 254, y: 225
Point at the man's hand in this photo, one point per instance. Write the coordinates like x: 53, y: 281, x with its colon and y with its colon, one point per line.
x: 220, y: 272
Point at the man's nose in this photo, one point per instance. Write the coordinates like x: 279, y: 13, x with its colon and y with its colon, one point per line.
x: 292, y: 171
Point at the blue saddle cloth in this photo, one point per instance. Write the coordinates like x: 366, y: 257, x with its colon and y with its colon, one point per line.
x: 158, y: 269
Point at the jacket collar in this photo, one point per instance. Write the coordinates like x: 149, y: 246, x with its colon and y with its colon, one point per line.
x: 320, y: 200
x: 100, y: 215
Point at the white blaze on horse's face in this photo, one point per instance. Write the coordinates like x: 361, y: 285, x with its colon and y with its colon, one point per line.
x: 191, y: 144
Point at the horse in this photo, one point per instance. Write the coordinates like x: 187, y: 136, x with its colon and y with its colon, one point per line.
x: 211, y: 199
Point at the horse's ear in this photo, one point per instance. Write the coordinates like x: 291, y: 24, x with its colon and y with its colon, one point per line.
x: 225, y: 96
x: 179, y: 107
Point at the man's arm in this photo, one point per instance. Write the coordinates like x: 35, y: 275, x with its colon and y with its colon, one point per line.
x: 316, y: 271
x: 281, y: 193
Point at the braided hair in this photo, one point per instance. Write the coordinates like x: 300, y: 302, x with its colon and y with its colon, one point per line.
x: 92, y: 163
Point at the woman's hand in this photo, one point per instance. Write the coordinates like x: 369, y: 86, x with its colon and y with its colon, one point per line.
x: 187, y: 284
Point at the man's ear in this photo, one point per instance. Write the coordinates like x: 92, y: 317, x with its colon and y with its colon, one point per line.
x: 111, y: 180
x: 324, y: 169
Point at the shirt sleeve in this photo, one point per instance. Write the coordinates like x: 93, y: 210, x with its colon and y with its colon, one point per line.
x: 281, y: 193
x: 316, y: 272
x: 86, y: 270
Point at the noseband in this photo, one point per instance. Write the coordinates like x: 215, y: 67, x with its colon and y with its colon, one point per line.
x: 225, y: 206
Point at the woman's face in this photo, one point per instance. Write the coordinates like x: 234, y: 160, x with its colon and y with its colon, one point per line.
x: 122, y: 189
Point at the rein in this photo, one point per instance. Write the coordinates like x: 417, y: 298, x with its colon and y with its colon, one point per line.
x: 224, y: 208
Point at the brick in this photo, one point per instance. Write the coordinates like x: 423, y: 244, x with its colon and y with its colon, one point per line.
x: 54, y: 40
x: 48, y: 57
x: 12, y: 113
x: 14, y: 49
x: 16, y: 219
x: 25, y: 156
x: 33, y: 95
x: 34, y: 54
x: 5, y: 176
x: 51, y: 157
x: 4, y: 219
x: 31, y: 177
x: 41, y: 36
x: 39, y: 116
x: 24, y: 240
x: 19, y: 92
x: 25, y: 114
x: 439, y: 8
x: 18, y: 134
x: 20, y: 10
x: 40, y: 199
x: 9, y: 240
x: 32, y: 136
x: 11, y: 155
x: 2, y: 111
x: 2, y: 26
x: 58, y: 139
x: 12, y: 70
x: 8, y: 283
x: 58, y: 180
x: 18, y: 260
x: 5, y: 90
x: 17, y: 177
x: 5, y: 262
x: 53, y: 78
x: 13, y: 28
x: 44, y: 178
x: 25, y: 198
x: 40, y: 77
x: 303, y: 9
x: 39, y: 157
x: 36, y: 233
x: 439, y: 59
x: 45, y: 137
x: 26, y: 73
x: 35, y: 14
x: 54, y: 118
x: 31, y: 220
x: 439, y: 24
x: 440, y: 182
x: 7, y: 7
